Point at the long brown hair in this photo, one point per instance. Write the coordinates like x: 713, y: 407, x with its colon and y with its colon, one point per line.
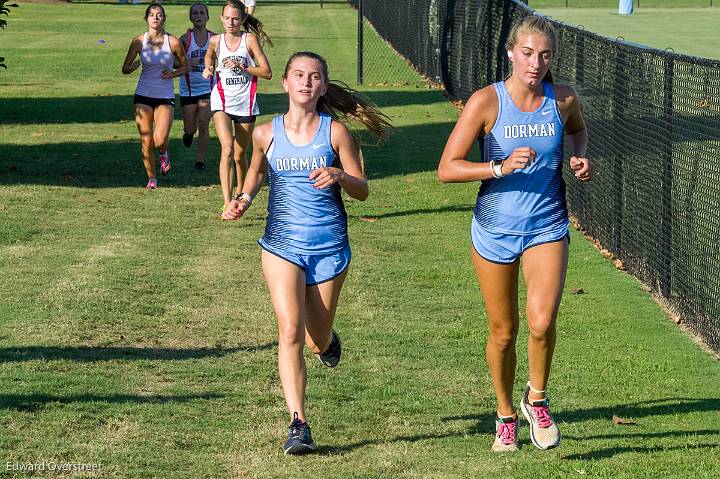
x: 345, y: 104
x: 534, y: 24
x: 251, y: 24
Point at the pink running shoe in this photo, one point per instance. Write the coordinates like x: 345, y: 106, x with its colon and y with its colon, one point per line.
x: 165, y: 163
x: 506, y: 435
x: 544, y: 433
x: 152, y: 184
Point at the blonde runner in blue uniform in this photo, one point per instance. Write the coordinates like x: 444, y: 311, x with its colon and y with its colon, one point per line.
x: 237, y: 60
x: 309, y: 158
x: 521, y: 214
x: 194, y: 88
x: 154, y: 99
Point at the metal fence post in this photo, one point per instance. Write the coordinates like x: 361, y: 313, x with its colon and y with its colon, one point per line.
x: 618, y: 114
x: 360, y: 44
x: 438, y: 49
x: 579, y: 58
x: 666, y: 223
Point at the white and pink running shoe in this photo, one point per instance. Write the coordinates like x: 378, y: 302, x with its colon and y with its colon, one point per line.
x: 544, y: 433
x: 506, y: 435
x: 165, y: 163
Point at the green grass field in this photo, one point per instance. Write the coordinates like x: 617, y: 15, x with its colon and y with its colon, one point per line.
x: 136, y: 332
x: 690, y: 31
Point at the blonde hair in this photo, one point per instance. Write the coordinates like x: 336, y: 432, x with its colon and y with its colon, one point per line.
x: 534, y: 24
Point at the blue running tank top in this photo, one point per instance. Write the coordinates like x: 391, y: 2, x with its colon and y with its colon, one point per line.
x: 301, y: 218
x: 530, y: 200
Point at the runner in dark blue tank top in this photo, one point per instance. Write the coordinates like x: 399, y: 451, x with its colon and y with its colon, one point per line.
x: 309, y: 158
x: 521, y: 213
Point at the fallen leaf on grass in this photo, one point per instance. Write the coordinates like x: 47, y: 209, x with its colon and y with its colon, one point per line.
x: 369, y: 219
x: 623, y: 422
x: 578, y: 291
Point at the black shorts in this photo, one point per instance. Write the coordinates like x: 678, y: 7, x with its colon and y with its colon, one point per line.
x: 238, y: 118
x: 193, y: 100
x: 153, y: 102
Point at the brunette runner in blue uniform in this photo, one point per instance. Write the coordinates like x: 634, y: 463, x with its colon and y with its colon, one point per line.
x: 521, y: 213
x: 309, y: 158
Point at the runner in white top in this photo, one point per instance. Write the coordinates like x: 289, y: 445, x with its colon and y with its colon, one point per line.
x: 194, y: 88
x: 155, y: 95
x: 240, y: 61
x: 235, y: 88
x: 249, y: 6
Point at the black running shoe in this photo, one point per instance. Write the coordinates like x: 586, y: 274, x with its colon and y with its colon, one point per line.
x: 187, y: 140
x: 331, y: 356
x: 299, y: 439
x: 200, y: 165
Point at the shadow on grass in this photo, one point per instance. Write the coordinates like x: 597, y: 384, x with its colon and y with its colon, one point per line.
x: 613, y: 451
x: 117, y: 163
x: 633, y: 411
x: 648, y: 435
x: 119, y: 108
x: 110, y: 162
x: 485, y: 423
x: 92, y: 354
x: 422, y: 211
x: 643, y: 409
x: 35, y: 402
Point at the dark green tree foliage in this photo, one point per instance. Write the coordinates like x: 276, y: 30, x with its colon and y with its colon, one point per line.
x: 4, y: 10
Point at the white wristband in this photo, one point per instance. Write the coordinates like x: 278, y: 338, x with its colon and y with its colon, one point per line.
x: 496, y: 168
x: 244, y: 196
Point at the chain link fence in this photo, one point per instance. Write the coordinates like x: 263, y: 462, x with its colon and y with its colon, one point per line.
x: 654, y: 123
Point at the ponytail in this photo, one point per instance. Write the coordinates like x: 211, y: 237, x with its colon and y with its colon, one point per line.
x: 345, y: 104
x: 255, y: 26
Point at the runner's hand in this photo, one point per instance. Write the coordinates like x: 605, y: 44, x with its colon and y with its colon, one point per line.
x: 581, y: 167
x: 230, y: 212
x: 326, y: 176
x: 520, y: 158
